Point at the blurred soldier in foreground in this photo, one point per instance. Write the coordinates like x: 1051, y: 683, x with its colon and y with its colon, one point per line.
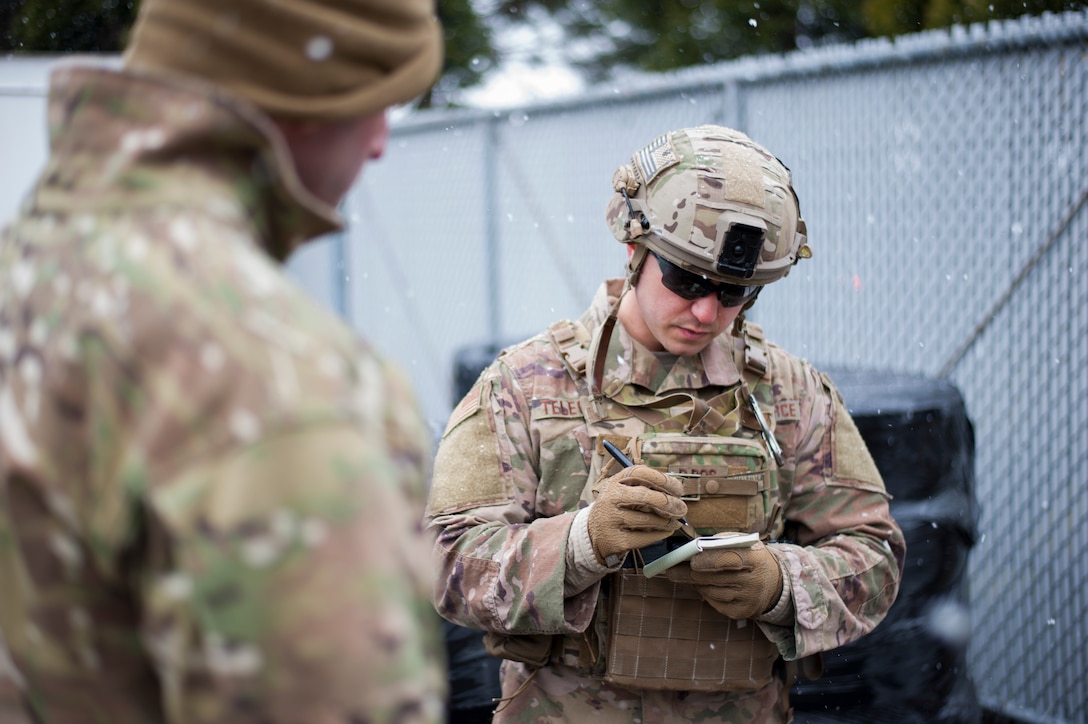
x: 544, y: 537
x: 210, y: 491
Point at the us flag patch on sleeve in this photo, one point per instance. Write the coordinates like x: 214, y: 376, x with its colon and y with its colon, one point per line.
x: 469, y: 406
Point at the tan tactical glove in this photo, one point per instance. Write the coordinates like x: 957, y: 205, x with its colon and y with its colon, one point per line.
x: 738, y: 582
x: 634, y: 508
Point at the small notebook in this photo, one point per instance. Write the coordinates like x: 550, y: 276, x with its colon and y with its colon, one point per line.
x: 689, y: 549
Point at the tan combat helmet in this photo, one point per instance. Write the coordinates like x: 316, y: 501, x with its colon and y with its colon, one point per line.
x: 712, y: 201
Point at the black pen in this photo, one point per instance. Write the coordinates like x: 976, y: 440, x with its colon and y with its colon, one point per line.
x: 617, y: 453
x: 626, y: 462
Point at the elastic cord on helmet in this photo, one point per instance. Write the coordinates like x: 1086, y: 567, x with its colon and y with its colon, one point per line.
x: 642, y: 220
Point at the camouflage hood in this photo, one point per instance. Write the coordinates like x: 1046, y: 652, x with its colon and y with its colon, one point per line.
x: 125, y: 139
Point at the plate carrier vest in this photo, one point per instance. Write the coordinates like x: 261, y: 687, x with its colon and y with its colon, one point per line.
x: 656, y: 633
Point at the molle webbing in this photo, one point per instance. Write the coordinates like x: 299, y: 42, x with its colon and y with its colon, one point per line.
x: 664, y: 636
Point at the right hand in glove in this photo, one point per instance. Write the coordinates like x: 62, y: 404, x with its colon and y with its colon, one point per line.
x: 634, y: 508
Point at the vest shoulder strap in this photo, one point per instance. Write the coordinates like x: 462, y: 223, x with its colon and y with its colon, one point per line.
x: 750, y: 353
x: 571, y: 340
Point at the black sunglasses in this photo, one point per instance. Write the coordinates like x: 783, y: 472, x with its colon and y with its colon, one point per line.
x: 692, y: 286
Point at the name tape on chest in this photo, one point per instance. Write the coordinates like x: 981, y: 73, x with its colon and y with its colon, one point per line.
x: 787, y: 410
x: 545, y: 408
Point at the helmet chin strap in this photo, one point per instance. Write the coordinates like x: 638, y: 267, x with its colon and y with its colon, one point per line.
x: 599, y: 348
x: 634, y: 264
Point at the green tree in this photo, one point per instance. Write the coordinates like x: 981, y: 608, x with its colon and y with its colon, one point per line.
x: 80, y: 26
x: 896, y: 17
x: 601, y: 36
x: 469, y: 51
x: 662, y: 36
x: 654, y: 36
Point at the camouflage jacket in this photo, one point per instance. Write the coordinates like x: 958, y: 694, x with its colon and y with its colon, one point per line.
x: 210, y: 490
x: 514, y: 460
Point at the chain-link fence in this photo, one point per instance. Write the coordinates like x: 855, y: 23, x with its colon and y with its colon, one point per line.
x: 943, y: 178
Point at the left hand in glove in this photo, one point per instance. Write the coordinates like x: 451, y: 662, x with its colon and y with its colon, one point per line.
x: 738, y: 582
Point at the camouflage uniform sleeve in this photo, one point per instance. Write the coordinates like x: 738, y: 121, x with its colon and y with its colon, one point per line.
x: 11, y: 698
x: 501, y: 559
x: 845, y: 553
x: 296, y: 582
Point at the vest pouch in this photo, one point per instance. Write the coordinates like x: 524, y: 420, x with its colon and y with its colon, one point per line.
x: 729, y: 482
x: 664, y: 636
x: 532, y: 649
